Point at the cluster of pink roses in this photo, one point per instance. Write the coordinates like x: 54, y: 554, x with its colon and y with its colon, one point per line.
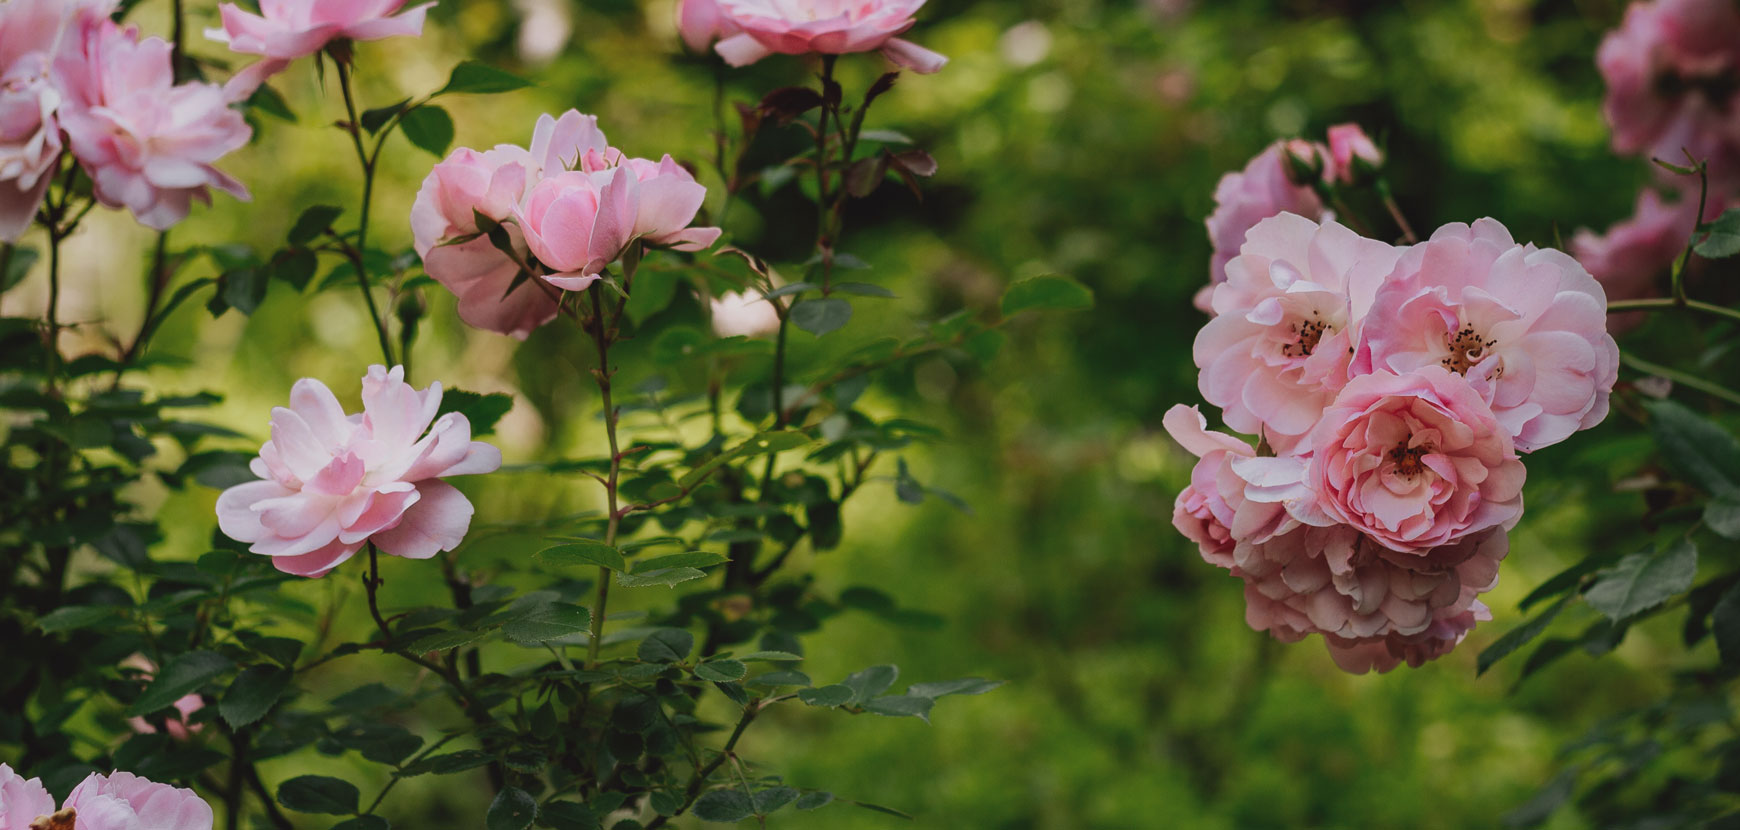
x: 1391, y: 389
x: 1673, y: 87
x: 72, y: 79
x: 118, y: 801
x: 746, y: 31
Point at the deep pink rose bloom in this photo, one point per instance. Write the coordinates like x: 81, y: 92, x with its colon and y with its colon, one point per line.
x: 701, y: 23
x: 285, y: 30
x: 829, y: 27
x: 1348, y: 142
x: 1213, y: 511
x: 1528, y: 327
x: 1415, y: 461
x: 1671, y: 70
x: 124, y: 801
x: 332, y: 482
x: 1283, y: 331
x: 22, y: 800
x: 148, y: 143
x: 1242, y: 199
x: 31, y: 32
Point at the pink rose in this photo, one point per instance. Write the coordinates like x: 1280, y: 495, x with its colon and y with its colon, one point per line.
x: 124, y: 801
x: 701, y: 23
x: 1632, y: 257
x: 1213, y: 511
x: 1671, y: 69
x: 668, y: 199
x: 285, y: 30
x: 30, y: 140
x: 332, y: 482
x: 1415, y: 461
x: 1383, y: 654
x: 1528, y: 328
x: 1283, y: 331
x: 22, y: 800
x: 744, y: 314
x: 177, y: 726
x: 148, y: 143
x: 1348, y: 144
x: 829, y: 27
x: 578, y: 222
x: 1263, y: 189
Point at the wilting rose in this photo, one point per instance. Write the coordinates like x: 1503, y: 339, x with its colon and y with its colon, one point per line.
x: 333, y: 482
x: 1528, y: 327
x: 285, y: 30
x: 1283, y: 331
x: 1213, y: 511
x: 744, y: 314
x: 124, y: 801
x: 830, y: 27
x: 1263, y: 189
x: 1415, y: 461
x: 1349, y: 146
x: 22, y: 800
x: 1673, y: 83
x: 148, y: 144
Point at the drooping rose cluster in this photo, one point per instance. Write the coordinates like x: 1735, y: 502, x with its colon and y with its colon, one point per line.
x: 117, y: 801
x: 571, y: 204
x: 1391, y: 390
x: 73, y: 80
x: 332, y: 482
x: 745, y: 31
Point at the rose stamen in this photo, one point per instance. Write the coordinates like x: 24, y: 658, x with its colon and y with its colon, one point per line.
x: 63, y: 820
x: 1306, y: 335
x: 1407, y: 459
x: 1467, y: 349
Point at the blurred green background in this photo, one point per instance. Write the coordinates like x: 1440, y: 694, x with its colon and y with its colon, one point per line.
x: 1074, y: 136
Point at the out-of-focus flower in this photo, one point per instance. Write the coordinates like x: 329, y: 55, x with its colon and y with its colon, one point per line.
x: 1350, y: 147
x: 1526, y: 326
x: 149, y: 144
x: 1630, y: 259
x: 124, y: 801
x: 829, y: 27
x: 545, y: 28
x: 332, y: 482
x: 31, y: 34
x: 177, y: 727
x: 702, y: 24
x: 1264, y: 188
x: 1672, y: 69
x: 1283, y: 332
x: 744, y: 314
x: 285, y: 30
x: 22, y: 800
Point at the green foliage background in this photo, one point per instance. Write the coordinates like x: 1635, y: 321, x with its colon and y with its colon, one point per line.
x: 1137, y: 697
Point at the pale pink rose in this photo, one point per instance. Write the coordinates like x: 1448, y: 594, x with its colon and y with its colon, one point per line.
x: 1632, y: 258
x: 701, y: 23
x: 1213, y: 511
x: 1671, y: 70
x: 1279, y: 344
x: 177, y: 726
x: 332, y: 482
x: 124, y: 801
x: 668, y: 199
x: 1528, y: 327
x: 148, y: 143
x: 1347, y: 143
x: 22, y: 800
x: 1415, y: 461
x: 744, y: 314
x: 829, y: 27
x: 578, y: 222
x: 288, y: 29
x: 494, y: 183
x: 32, y: 34
x: 1263, y: 189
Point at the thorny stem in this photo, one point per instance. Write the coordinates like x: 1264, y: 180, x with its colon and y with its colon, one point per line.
x: 602, y: 333
x: 1679, y: 272
x: 354, y: 127
x: 1395, y: 209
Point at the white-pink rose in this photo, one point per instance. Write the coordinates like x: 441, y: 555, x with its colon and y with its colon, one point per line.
x: 1264, y: 188
x: 288, y: 29
x: 332, y: 482
x: 22, y: 800
x: 1279, y: 344
x: 829, y: 27
x: 666, y: 202
x: 577, y: 222
x: 124, y: 801
x: 1528, y: 327
x: 743, y: 314
x: 32, y: 35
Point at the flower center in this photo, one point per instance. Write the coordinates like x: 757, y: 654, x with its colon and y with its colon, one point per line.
x: 1407, y: 459
x: 1466, y: 349
x: 62, y: 820
x: 1306, y: 334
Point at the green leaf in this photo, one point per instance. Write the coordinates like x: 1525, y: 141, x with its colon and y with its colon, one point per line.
x: 1544, y: 803
x: 363, y: 823
x: 252, y: 694
x: 383, y: 743
x: 74, y: 617
x: 1696, y: 447
x: 373, y: 120
x: 1567, y: 579
x: 1722, y: 514
x: 444, y: 640
x: 1723, y: 238
x: 773, y: 798
x: 267, y: 100
x: 963, y: 686
x: 666, y: 645
x: 319, y: 794
x: 314, y: 221
x: 827, y: 696
x: 901, y: 706
x: 244, y: 288
x: 724, y: 806
x: 512, y: 809
x: 482, y: 79
x: 1517, y: 637
x: 815, y: 800
x: 465, y: 759
x: 428, y: 127
x: 568, y: 815
x: 483, y: 412
x: 1725, y: 622
x: 295, y: 267
x: 862, y: 289
x: 667, y: 577
x: 17, y: 267
x: 770, y: 657
x: 762, y: 444
x: 184, y: 674
x: 1046, y: 293
x: 692, y: 559
x: 548, y: 623
x: 580, y: 554
x: 721, y: 671
x: 819, y: 317
x: 1642, y: 581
